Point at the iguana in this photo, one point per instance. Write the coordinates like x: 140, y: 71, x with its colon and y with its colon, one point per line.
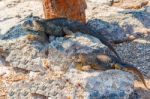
x: 63, y: 27
x: 100, y: 61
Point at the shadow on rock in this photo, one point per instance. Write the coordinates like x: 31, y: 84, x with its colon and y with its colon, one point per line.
x: 141, y: 16
x: 113, y: 31
x: 140, y: 93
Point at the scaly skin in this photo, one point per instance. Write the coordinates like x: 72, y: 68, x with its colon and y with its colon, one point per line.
x: 95, y: 60
x: 59, y: 26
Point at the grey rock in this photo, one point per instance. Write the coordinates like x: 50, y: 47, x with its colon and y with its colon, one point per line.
x: 79, y: 39
x: 62, y: 50
x: 110, y: 31
x: 51, y: 69
x: 102, y: 2
x: 59, y: 78
x: 115, y: 1
x: 129, y: 22
x: 33, y: 75
x: 121, y: 25
x: 112, y: 83
x: 101, y: 86
x: 4, y: 70
x: 147, y: 9
x: 2, y: 61
x: 21, y: 52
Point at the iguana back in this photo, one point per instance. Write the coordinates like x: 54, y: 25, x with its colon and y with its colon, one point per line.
x: 76, y: 26
x: 54, y: 27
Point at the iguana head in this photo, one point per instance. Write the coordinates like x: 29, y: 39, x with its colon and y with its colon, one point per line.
x: 33, y: 23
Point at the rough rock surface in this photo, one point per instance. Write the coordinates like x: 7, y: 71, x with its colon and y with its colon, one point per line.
x: 147, y: 9
x: 116, y: 23
x: 137, y: 52
x: 46, y: 70
x: 102, y: 2
x: 76, y: 84
x: 131, y: 4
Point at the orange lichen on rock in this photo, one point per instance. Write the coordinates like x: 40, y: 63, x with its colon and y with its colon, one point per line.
x: 72, y: 9
x: 15, y: 77
x: 3, y: 90
x: 46, y: 63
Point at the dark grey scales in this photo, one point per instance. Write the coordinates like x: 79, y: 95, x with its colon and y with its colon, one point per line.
x: 63, y: 27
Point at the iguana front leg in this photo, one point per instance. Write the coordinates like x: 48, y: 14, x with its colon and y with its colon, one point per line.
x: 82, y: 67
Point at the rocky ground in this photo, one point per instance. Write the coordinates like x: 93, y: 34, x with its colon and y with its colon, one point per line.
x: 121, y: 19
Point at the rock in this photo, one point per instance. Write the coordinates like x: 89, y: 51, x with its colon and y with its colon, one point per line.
x: 124, y: 22
x: 20, y: 52
x: 102, y: 2
x: 131, y: 4
x: 25, y: 56
x: 47, y: 70
x: 111, y: 88
x: 148, y: 74
x: 3, y: 70
x: 103, y: 84
x: 115, y: 1
x: 78, y: 84
x: 2, y: 61
x: 33, y: 75
x: 147, y: 9
x: 110, y: 31
x: 122, y: 25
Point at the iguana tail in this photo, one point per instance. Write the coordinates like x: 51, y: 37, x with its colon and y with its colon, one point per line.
x: 103, y: 39
x: 105, y: 42
x: 132, y: 69
x: 135, y: 71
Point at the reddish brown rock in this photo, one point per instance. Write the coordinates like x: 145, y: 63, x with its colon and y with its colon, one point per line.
x: 73, y: 9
